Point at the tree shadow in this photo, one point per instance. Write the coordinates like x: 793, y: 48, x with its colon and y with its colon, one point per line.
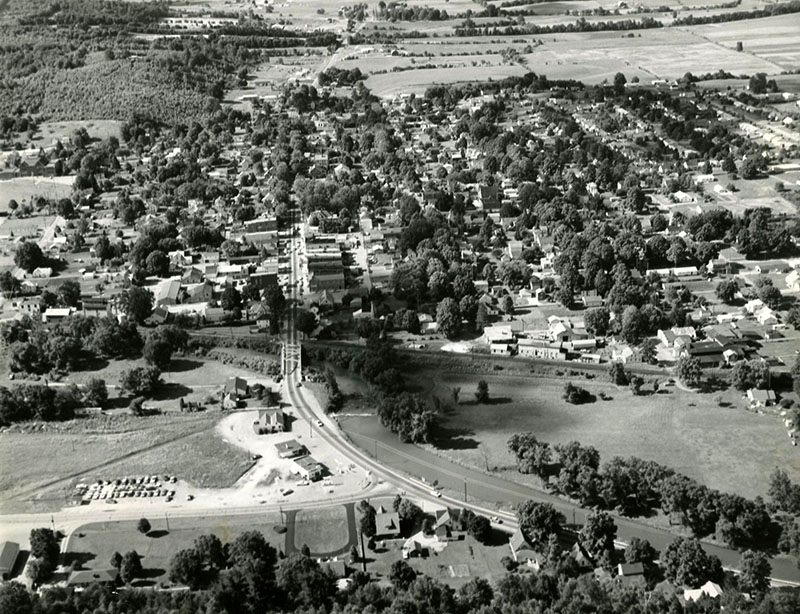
x: 151, y: 572
x: 171, y: 391
x: 158, y: 533
x: 713, y: 384
x: 93, y: 363
x: 181, y: 365
x: 79, y: 559
x: 455, y: 439
x: 497, y: 538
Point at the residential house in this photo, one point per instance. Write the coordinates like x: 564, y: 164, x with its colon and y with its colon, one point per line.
x: 488, y: 197
x: 166, y: 291
x: 198, y: 293
x: 56, y: 314
x: 96, y: 307
x: 709, y: 589
x: 237, y: 388
x: 290, y: 449
x: 309, y: 468
x: 42, y: 272
x: 445, y: 527
x: 9, y: 551
x: 523, y: 552
x: 270, y: 420
x: 631, y: 574
x: 761, y: 398
x: 540, y: 348
x: 387, y: 525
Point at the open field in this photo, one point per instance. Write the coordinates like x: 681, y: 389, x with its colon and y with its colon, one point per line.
x: 97, y: 129
x: 323, y: 530
x: 105, y: 447
x: 93, y: 544
x: 724, y: 447
x: 391, y: 84
x: 775, y: 39
x: 27, y: 188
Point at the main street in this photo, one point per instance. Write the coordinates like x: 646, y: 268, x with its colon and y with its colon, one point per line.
x: 396, y: 463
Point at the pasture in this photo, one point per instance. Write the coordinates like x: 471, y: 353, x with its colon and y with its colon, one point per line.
x: 24, y: 189
x: 322, y: 530
x: 708, y: 436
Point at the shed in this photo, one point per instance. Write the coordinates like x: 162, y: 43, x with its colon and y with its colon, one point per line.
x: 8, y: 557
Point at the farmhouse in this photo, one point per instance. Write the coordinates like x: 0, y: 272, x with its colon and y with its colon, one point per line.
x: 760, y: 398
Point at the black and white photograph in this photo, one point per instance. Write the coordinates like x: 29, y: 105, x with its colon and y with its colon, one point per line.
x: 399, y: 306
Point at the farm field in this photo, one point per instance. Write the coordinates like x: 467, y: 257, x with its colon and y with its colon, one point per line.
x: 93, y: 544
x: 104, y: 447
x: 728, y: 447
x: 417, y: 81
x: 27, y: 188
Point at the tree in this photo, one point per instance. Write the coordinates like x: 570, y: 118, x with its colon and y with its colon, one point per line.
x: 688, y: 370
x: 480, y: 528
x: 475, y: 594
x: 598, y: 535
x: 640, y: 551
x: 44, y: 545
x: 448, y: 317
x: 756, y: 570
x: 354, y: 556
x: 131, y: 567
x: 538, y: 521
x: 482, y: 392
x: 231, y: 299
x: 686, y: 563
x: 157, y: 263
x: 481, y: 317
x: 507, y: 304
x: 29, y: 256
x: 251, y: 547
x: 143, y: 526
x: 69, y: 293
x: 366, y: 522
x: 140, y: 381
x: 96, y: 393
x: 402, y: 575
x: 758, y: 83
x: 137, y: 304
x: 157, y: 350
x: 304, y: 582
x: 575, y: 394
x: 276, y: 306
x: 726, y: 290
x: 784, y: 494
x: 186, y: 567
x: 115, y: 561
x: 619, y: 83
x: 532, y: 455
x: 597, y: 320
x: 305, y: 322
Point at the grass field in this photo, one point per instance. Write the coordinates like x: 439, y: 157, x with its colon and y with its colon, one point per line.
x: 323, y: 530
x: 727, y: 448
x: 93, y: 544
x: 97, y: 129
x: 26, y: 188
x: 107, y: 447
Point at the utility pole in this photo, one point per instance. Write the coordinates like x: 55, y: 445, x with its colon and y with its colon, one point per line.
x: 166, y: 517
x: 465, y: 490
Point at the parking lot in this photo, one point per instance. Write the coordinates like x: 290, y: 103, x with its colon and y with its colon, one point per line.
x: 128, y: 487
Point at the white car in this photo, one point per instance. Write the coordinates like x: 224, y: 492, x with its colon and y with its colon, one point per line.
x: 496, y: 520
x: 436, y: 494
x: 319, y: 423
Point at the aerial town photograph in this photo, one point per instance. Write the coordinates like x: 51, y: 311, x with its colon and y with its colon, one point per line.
x: 399, y: 306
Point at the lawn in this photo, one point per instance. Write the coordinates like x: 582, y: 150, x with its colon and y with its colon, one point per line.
x: 27, y: 188
x: 323, y: 530
x: 107, y: 447
x: 725, y: 447
x: 93, y: 544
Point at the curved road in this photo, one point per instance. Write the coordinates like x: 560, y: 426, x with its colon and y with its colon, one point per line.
x: 397, y: 461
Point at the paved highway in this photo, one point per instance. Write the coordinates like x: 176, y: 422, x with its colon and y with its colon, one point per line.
x: 397, y: 462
